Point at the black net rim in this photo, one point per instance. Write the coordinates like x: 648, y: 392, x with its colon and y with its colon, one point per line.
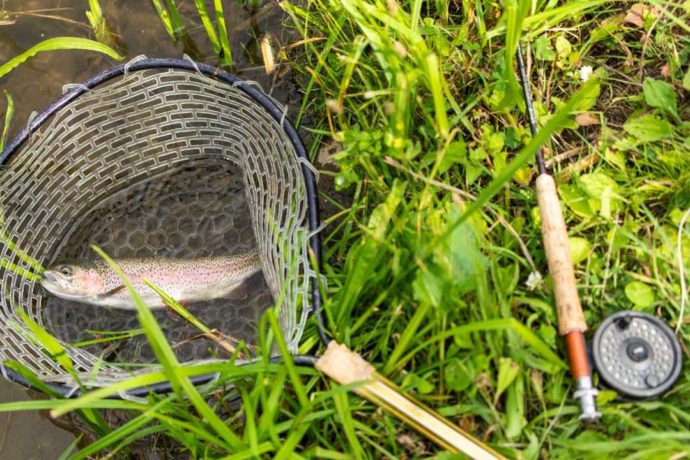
x: 261, y: 99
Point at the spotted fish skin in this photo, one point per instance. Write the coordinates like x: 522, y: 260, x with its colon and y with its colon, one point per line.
x: 185, y: 280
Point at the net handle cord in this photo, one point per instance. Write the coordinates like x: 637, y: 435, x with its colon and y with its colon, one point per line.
x: 278, y: 114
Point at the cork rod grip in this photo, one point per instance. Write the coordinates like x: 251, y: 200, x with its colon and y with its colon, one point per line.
x: 346, y: 367
x: 555, y: 234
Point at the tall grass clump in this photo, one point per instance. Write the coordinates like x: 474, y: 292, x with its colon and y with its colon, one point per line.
x: 217, y: 33
x: 424, y: 108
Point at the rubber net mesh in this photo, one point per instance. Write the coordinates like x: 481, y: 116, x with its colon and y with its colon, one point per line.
x: 156, y: 163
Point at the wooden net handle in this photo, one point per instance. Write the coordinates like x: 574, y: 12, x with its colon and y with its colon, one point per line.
x: 346, y: 367
x: 555, y: 234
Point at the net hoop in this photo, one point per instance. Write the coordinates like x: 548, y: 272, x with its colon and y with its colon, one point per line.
x: 277, y: 113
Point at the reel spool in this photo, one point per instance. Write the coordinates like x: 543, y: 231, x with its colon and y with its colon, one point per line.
x: 636, y: 354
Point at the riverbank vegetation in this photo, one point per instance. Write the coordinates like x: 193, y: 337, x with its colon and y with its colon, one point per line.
x: 434, y: 260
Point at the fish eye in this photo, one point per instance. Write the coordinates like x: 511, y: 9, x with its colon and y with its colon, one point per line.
x: 66, y: 270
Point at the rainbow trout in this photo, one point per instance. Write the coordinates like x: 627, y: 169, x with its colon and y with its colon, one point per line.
x: 185, y: 280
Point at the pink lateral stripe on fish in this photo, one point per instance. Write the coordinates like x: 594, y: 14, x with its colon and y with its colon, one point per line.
x: 185, y: 280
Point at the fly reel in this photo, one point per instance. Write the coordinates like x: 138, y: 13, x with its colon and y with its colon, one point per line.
x: 636, y: 354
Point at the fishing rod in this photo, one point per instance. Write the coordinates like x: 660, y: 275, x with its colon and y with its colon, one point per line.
x: 571, y: 319
x: 634, y: 353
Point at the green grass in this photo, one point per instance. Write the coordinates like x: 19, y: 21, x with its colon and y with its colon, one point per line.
x: 58, y: 43
x: 426, y: 319
x: 217, y: 34
x: 428, y: 261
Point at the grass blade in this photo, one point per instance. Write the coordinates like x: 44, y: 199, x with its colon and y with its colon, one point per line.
x: 67, y: 453
x: 216, y: 336
x: 34, y: 264
x: 175, y: 19
x: 50, y: 343
x: 225, y: 50
x: 121, y: 432
x: 509, y: 324
x: 48, y: 404
x: 166, y: 355
x: 208, y: 25
x: 287, y: 359
x: 59, y: 43
x: 8, y: 118
x: 165, y: 18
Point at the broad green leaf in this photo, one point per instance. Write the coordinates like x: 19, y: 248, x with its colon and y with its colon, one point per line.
x: 459, y: 254
x: 563, y: 47
x: 603, y: 191
x: 508, y: 370
x: 616, y: 158
x: 455, y: 153
x: 588, y: 98
x: 493, y: 141
x: 579, y: 249
x: 542, y: 49
x: 606, y: 396
x: 421, y: 384
x: 458, y: 375
x: 595, y: 184
x: 577, y: 200
x: 640, y: 294
x: 382, y: 215
x: 427, y: 288
x: 59, y: 43
x: 660, y: 94
x: 607, y: 202
x: 648, y: 128
x: 515, y: 408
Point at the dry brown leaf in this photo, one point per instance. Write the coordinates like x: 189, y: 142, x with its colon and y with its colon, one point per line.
x: 267, y: 54
x: 636, y: 14
x: 586, y: 119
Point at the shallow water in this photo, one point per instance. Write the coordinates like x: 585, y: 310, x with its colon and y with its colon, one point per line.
x: 139, y: 31
x: 39, y: 81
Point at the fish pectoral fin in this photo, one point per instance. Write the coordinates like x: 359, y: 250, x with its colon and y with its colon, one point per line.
x: 111, y: 292
x: 239, y: 292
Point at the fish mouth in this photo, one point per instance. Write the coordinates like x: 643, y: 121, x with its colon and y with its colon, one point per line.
x: 51, y: 284
x: 49, y: 277
x: 57, y: 285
